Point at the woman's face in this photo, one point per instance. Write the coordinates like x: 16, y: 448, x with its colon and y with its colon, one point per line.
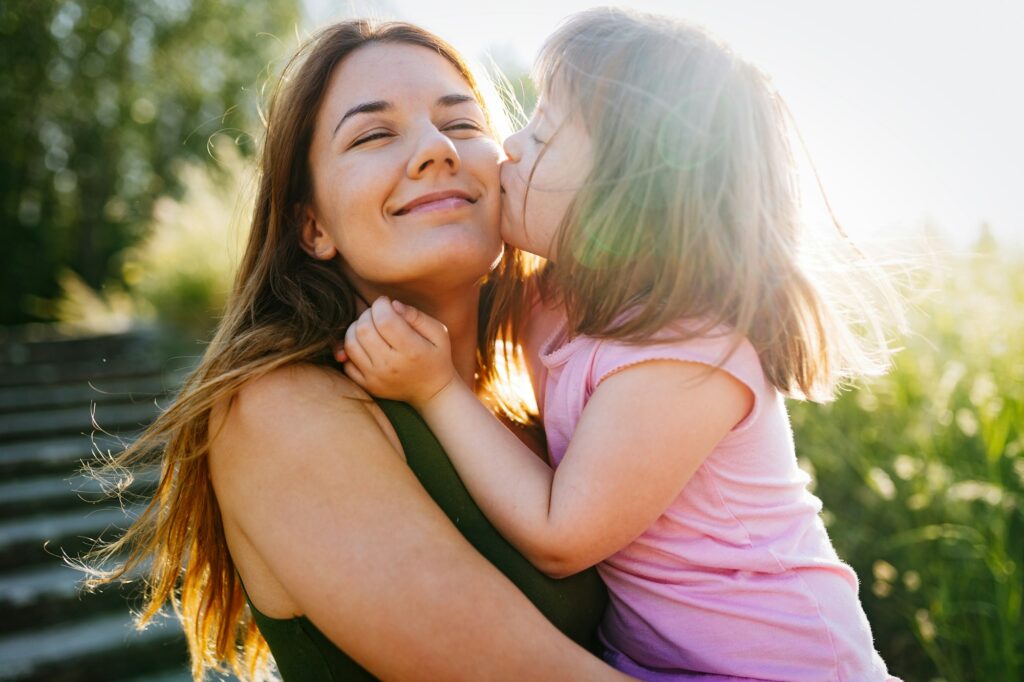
x: 405, y: 175
x: 556, y: 148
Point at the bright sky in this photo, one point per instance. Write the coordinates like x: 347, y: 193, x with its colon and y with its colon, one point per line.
x: 912, y: 111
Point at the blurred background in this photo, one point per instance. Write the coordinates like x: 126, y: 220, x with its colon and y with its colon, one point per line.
x: 124, y: 187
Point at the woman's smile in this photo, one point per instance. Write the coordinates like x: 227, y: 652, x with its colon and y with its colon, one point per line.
x: 446, y: 200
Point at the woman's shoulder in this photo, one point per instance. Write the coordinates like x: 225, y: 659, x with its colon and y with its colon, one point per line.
x: 303, y: 402
x: 300, y: 381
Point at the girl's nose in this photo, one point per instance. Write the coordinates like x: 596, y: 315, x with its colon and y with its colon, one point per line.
x: 434, y: 153
x: 514, y: 147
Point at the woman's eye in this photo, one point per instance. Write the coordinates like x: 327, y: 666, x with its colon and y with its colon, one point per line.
x: 463, y: 125
x: 367, y: 138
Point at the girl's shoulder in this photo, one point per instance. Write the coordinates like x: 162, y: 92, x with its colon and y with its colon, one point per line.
x: 691, y: 341
x: 685, y: 340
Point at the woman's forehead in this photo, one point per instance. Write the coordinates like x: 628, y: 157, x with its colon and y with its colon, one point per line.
x: 394, y: 72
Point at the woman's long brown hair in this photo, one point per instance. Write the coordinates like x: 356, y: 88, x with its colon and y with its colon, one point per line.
x: 285, y: 308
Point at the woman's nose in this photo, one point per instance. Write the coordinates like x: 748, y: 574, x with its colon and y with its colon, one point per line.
x: 434, y: 153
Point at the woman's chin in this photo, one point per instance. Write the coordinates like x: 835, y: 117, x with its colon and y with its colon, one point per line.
x: 464, y: 264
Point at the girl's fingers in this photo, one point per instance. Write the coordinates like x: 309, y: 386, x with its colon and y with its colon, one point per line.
x: 354, y: 348
x: 338, y: 350
x: 395, y: 331
x: 353, y: 373
x: 424, y: 324
x: 371, y: 341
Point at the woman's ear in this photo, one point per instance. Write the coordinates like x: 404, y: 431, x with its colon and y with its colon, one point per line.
x: 314, y: 239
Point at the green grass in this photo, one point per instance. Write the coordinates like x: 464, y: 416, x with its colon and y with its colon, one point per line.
x: 921, y: 474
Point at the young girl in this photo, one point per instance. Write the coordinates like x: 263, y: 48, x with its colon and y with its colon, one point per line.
x: 670, y: 321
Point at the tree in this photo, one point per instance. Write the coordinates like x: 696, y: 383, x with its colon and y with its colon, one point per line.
x: 103, y: 100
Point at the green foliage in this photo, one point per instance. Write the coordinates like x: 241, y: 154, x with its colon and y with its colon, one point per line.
x: 102, y: 101
x: 922, y: 477
x: 179, y: 275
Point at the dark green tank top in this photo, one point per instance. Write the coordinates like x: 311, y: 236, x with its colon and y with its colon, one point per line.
x: 574, y: 605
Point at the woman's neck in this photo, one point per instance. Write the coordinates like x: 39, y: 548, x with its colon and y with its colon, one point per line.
x: 459, y: 312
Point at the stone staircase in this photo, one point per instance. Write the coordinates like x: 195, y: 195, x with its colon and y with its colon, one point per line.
x: 53, y: 394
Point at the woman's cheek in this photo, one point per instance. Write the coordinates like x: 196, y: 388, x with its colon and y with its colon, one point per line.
x: 484, y: 157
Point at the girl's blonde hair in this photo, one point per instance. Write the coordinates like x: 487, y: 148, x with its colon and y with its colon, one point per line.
x: 691, y: 207
x: 286, y: 307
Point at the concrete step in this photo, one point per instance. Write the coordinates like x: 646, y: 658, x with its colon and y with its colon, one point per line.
x: 89, y: 370
x: 56, y: 492
x: 125, y: 390
x: 24, y: 347
x: 178, y: 674
x: 102, y: 648
x: 45, y: 596
x: 60, y: 455
x: 44, y: 539
x: 126, y: 417
x: 20, y: 588
x: 61, y: 401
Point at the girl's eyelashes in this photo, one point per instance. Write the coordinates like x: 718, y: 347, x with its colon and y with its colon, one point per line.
x: 536, y: 140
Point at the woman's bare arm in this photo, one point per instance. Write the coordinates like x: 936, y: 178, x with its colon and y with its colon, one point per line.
x: 317, y: 490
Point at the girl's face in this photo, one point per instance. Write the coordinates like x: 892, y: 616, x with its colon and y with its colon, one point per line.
x: 405, y: 175
x: 555, y: 147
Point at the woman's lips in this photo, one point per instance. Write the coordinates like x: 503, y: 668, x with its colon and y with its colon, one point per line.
x: 447, y: 204
x: 445, y: 200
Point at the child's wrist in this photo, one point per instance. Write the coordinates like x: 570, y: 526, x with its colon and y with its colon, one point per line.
x: 429, y: 402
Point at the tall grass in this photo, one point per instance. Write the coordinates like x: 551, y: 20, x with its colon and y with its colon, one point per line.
x: 921, y: 473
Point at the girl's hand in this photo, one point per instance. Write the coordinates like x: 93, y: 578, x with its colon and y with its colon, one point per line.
x: 396, y: 351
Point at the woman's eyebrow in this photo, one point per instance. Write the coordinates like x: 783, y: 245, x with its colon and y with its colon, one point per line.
x: 364, y: 108
x: 452, y: 100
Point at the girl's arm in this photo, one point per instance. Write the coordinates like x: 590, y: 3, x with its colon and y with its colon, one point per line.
x: 319, y: 505
x: 641, y: 437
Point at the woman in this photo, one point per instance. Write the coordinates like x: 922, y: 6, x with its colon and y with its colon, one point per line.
x: 379, y: 176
